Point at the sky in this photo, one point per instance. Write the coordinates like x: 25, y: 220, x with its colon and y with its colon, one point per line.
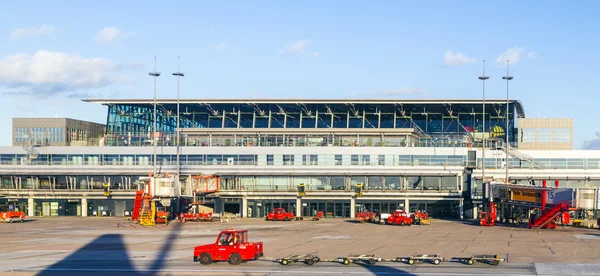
x: 55, y: 53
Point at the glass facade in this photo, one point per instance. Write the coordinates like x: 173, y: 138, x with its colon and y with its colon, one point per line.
x: 39, y: 135
x: 132, y: 124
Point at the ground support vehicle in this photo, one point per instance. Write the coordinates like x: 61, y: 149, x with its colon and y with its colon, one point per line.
x: 363, y: 217
x: 490, y: 259
x: 399, y: 217
x: 370, y: 259
x: 318, y: 215
x: 280, y: 214
x: 12, y: 216
x: 232, y: 246
x: 432, y: 258
x: 307, y: 259
x: 488, y: 218
x: 197, y: 217
x: 421, y: 218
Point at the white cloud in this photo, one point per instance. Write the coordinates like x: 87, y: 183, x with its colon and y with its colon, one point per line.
x: 532, y: 55
x: 35, y: 31
x: 454, y: 59
x: 593, y: 144
x: 296, y: 47
x: 112, y: 34
x: 401, y: 91
x: 512, y: 54
x: 316, y: 55
x: 47, y: 73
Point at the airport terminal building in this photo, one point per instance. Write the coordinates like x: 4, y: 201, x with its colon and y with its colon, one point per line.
x: 407, y: 154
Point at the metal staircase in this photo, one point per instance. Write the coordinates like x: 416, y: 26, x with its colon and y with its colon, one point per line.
x: 137, y: 205
x: 521, y: 156
x: 546, y: 220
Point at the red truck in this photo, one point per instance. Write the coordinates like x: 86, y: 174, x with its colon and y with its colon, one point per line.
x: 399, y: 217
x: 280, y: 214
x: 362, y: 217
x: 11, y: 216
x: 232, y: 246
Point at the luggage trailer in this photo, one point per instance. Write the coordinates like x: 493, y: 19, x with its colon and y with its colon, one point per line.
x: 490, y: 259
x: 431, y: 258
x: 369, y: 259
x: 307, y: 259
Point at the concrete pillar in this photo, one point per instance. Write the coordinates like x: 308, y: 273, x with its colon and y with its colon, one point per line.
x: 352, y: 207
x: 244, y: 207
x: 460, y: 208
x: 298, y: 206
x: 30, y: 207
x: 84, y: 207
x: 406, y: 205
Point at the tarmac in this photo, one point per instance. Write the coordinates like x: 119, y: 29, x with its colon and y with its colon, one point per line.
x: 101, y: 246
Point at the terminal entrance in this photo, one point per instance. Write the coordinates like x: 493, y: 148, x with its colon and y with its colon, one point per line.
x: 330, y: 208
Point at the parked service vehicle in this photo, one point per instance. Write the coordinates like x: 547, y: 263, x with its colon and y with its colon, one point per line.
x: 399, y: 217
x: 280, y: 214
x: 11, y: 216
x: 232, y: 246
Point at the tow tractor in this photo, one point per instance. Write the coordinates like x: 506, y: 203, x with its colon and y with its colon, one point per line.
x: 421, y: 218
x: 370, y: 259
x: 490, y: 259
x: 432, y: 258
x: 307, y: 259
x: 488, y: 219
x: 399, y: 217
x: 318, y: 215
x: 280, y: 214
x: 232, y: 246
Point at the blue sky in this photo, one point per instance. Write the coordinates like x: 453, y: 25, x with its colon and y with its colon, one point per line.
x: 55, y: 53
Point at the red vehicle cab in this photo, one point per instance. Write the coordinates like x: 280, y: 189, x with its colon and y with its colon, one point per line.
x: 280, y: 214
x: 232, y: 246
x: 399, y: 217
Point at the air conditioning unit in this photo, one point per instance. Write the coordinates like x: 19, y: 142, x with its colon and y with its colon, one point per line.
x: 230, y: 161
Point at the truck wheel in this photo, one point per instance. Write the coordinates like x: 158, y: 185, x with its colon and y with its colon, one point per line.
x: 234, y: 259
x: 274, y: 218
x: 436, y: 262
x: 402, y: 223
x: 411, y: 262
x: 372, y: 262
x: 346, y: 262
x: 494, y: 262
x: 205, y: 259
x: 284, y: 262
x: 310, y: 262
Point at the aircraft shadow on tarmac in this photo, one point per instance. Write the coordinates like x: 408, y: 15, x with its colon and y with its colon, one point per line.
x: 84, y: 260
x: 381, y: 269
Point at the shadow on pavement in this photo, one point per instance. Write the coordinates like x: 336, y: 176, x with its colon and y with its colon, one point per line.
x: 108, y: 255
x: 383, y: 269
x: 93, y: 256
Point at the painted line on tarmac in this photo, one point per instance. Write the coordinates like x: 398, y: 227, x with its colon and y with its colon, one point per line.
x: 245, y: 272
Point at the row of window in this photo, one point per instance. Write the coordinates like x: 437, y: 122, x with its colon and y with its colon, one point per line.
x: 545, y: 135
x: 39, y: 135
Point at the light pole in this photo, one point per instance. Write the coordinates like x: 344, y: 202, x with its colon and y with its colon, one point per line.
x: 483, y: 78
x: 154, y: 74
x: 178, y: 74
x: 507, y: 78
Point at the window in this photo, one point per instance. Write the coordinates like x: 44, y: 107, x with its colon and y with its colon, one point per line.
x: 270, y: 159
x: 354, y: 159
x: 563, y: 135
x: 381, y: 160
x: 544, y: 135
x: 314, y: 159
x: 338, y: 159
x: 366, y: 160
x: 288, y: 159
x: 304, y: 158
x: 527, y: 135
